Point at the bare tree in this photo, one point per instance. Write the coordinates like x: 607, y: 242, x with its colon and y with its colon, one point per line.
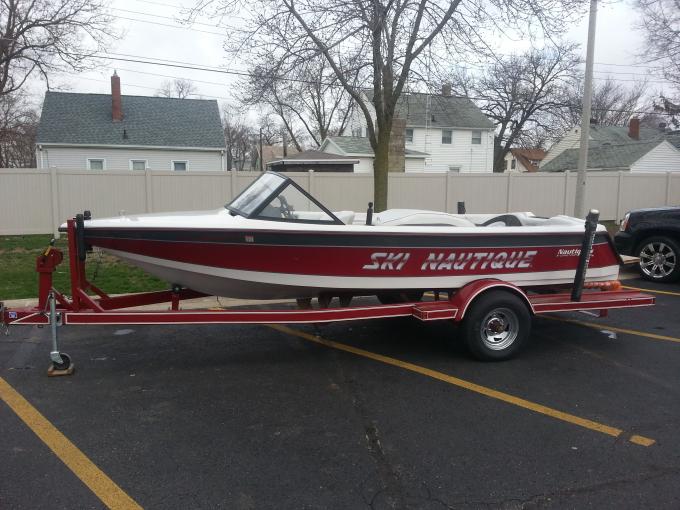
x: 522, y: 94
x: 383, y: 43
x: 44, y: 36
x: 239, y: 139
x: 310, y: 100
x: 660, y: 23
x: 18, y: 127
x: 613, y: 103
x: 180, y: 88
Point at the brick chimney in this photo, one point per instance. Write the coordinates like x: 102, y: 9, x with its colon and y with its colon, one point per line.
x: 634, y: 128
x: 395, y: 157
x: 446, y: 90
x: 116, y: 107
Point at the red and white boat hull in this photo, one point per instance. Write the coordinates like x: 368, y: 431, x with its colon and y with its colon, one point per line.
x: 270, y: 264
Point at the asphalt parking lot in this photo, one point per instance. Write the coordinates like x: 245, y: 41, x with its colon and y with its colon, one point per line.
x: 379, y: 414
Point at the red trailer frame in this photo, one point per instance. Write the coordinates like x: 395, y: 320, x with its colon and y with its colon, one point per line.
x: 56, y: 309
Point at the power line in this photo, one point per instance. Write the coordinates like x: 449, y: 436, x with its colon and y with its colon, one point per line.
x: 472, y: 98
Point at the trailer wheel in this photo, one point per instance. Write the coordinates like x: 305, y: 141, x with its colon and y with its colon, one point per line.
x: 496, y: 326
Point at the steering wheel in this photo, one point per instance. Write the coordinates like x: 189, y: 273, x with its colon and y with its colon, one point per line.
x: 285, y: 208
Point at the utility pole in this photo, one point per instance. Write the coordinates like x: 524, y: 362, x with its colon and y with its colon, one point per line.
x: 580, y: 200
x: 261, y: 162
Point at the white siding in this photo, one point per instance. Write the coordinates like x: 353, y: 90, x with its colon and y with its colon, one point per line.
x: 414, y: 165
x: 364, y: 166
x: 460, y: 153
x: 571, y: 140
x: 519, y: 167
x: 75, y: 158
x: 662, y: 158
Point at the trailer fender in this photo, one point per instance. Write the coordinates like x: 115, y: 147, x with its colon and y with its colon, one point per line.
x: 468, y: 293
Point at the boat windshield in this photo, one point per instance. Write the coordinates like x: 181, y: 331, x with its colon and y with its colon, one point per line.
x: 277, y: 198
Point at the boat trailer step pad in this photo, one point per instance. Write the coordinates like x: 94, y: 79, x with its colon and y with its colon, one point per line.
x: 435, y: 310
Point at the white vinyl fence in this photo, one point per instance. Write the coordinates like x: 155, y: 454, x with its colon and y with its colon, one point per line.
x: 38, y: 201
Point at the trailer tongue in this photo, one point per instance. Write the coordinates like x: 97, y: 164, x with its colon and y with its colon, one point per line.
x: 494, y: 315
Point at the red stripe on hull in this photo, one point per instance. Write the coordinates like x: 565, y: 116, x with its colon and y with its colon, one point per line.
x: 362, y: 261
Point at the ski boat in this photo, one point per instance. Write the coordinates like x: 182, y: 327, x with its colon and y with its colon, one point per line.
x: 275, y: 240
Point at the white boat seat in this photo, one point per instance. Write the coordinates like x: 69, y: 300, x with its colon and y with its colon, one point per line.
x: 347, y: 217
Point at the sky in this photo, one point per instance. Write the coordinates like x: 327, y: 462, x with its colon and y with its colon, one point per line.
x: 150, y: 28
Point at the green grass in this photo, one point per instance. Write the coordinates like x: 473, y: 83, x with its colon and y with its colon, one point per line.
x: 18, y: 278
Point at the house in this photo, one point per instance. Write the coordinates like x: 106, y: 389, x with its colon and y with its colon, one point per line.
x: 658, y: 155
x: 600, y: 135
x: 523, y: 160
x: 116, y: 132
x: 313, y: 160
x: 360, y: 148
x: 440, y: 133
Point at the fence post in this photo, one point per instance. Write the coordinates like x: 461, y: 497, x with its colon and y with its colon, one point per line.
x: 447, y: 193
x: 148, y: 183
x: 566, y: 192
x: 54, y: 193
x: 669, y: 183
x: 618, y: 197
x: 232, y: 184
x: 310, y: 185
x: 508, y: 197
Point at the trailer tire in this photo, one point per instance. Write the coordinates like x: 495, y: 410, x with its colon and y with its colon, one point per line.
x: 496, y: 326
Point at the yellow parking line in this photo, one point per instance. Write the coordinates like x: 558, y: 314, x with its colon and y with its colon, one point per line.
x: 607, y: 327
x: 104, y: 488
x: 461, y: 383
x: 666, y: 292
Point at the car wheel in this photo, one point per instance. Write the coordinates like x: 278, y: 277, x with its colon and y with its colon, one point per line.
x: 659, y: 259
x: 496, y: 326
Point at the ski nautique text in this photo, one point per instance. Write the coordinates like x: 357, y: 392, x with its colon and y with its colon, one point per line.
x: 454, y: 260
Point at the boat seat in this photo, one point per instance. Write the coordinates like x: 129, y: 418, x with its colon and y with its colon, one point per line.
x: 503, y: 220
x: 347, y: 217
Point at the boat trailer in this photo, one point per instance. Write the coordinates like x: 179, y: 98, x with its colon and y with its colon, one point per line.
x: 489, y: 307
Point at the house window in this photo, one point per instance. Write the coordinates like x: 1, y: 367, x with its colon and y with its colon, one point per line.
x: 180, y: 166
x: 96, y: 164
x: 138, y: 164
x: 513, y: 164
x: 409, y: 135
x: 454, y: 169
x: 447, y: 135
x: 476, y: 138
x: 356, y: 131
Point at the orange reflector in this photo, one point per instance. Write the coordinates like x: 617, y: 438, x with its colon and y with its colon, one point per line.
x: 607, y: 285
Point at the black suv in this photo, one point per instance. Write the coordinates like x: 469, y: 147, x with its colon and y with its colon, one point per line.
x: 654, y: 236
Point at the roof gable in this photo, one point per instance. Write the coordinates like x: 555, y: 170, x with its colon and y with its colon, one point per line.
x: 85, y: 119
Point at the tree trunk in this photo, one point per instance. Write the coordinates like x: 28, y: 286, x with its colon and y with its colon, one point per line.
x: 381, y: 171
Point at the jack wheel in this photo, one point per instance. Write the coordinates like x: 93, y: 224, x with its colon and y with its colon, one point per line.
x: 65, y: 364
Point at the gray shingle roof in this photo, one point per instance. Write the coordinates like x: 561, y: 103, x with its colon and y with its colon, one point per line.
x: 440, y: 111
x: 613, y: 156
x: 618, y: 134
x: 361, y: 145
x: 69, y: 118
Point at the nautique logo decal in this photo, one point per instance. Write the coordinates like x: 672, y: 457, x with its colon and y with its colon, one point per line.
x: 454, y: 260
